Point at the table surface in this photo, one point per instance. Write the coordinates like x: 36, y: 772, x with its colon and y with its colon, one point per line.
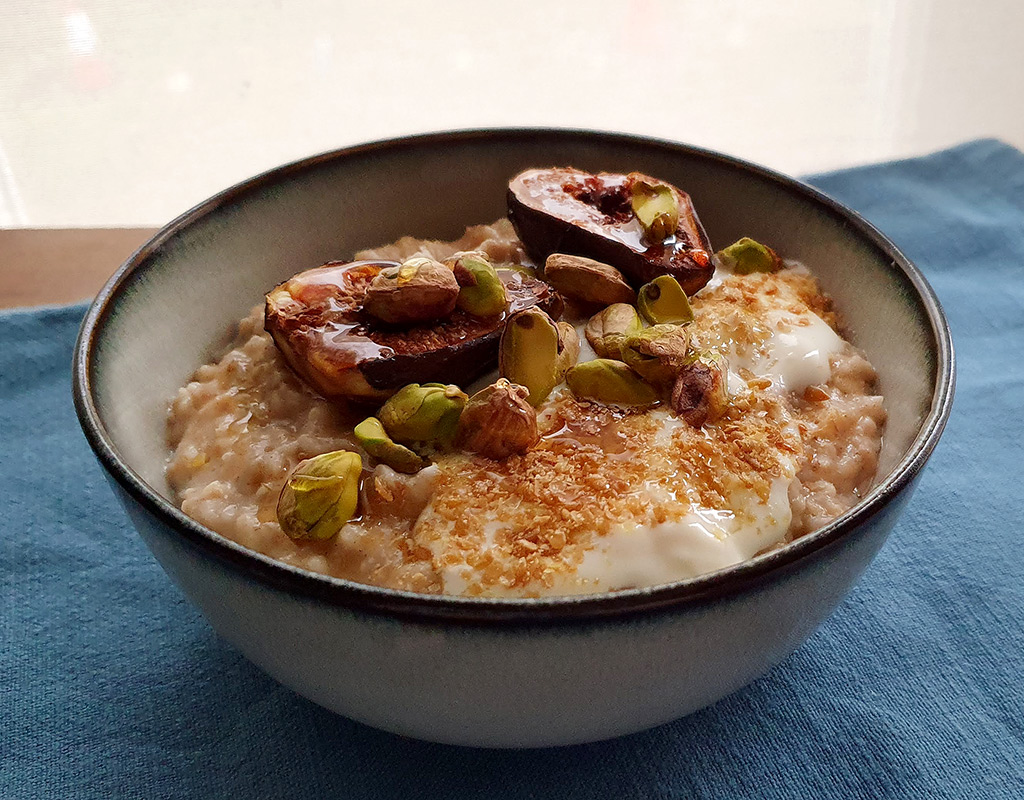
x: 40, y: 267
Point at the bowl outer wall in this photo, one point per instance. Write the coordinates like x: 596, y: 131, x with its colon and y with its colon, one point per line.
x: 517, y: 685
x: 802, y: 222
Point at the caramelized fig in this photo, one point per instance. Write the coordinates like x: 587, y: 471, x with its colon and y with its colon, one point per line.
x: 317, y: 322
x: 565, y: 210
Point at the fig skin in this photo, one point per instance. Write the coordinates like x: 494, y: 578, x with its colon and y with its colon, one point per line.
x: 317, y: 323
x: 566, y: 210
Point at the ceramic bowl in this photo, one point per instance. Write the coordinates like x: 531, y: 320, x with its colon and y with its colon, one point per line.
x: 507, y: 673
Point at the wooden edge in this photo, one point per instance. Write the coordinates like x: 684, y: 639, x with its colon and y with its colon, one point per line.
x: 61, y: 265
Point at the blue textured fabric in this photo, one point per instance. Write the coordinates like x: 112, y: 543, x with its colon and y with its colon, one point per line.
x: 111, y: 685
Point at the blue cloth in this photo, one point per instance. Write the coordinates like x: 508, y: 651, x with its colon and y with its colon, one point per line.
x: 111, y: 685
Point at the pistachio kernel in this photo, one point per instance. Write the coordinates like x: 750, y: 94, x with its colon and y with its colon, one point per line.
x: 374, y: 440
x: 607, y: 330
x: 588, y: 280
x: 657, y: 353
x: 700, y: 394
x: 481, y: 291
x: 663, y: 301
x: 568, y: 348
x: 427, y: 413
x: 498, y: 421
x: 655, y: 206
x: 611, y: 382
x: 320, y: 495
x: 746, y: 256
x: 529, y: 353
x: 418, y: 290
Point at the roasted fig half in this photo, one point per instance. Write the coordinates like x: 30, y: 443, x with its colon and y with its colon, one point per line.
x: 318, y: 323
x: 627, y: 221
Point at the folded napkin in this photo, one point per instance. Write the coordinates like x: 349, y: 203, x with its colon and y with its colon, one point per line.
x: 111, y: 685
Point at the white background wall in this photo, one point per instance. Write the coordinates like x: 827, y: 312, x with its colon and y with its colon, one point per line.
x: 127, y: 113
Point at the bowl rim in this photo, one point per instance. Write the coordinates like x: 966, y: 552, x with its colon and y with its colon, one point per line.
x: 474, y: 611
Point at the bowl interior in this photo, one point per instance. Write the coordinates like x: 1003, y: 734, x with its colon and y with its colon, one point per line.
x: 171, y: 309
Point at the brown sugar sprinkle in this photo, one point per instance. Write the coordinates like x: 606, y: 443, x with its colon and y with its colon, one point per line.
x: 739, y: 303
x: 528, y: 520
x: 815, y: 394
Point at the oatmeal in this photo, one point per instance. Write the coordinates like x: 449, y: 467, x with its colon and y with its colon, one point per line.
x: 764, y: 425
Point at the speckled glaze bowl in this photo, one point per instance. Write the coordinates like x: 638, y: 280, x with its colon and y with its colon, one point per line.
x: 506, y: 673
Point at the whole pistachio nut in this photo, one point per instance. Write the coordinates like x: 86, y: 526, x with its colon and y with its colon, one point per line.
x: 481, y: 291
x: 657, y: 353
x: 610, y: 382
x: 320, y: 495
x: 608, y: 329
x: 700, y: 393
x: 427, y: 413
x: 530, y: 353
x: 568, y: 348
x: 418, y: 290
x: 498, y: 421
x: 663, y: 301
x: 374, y: 440
x: 587, y: 279
x: 655, y: 207
x: 746, y: 256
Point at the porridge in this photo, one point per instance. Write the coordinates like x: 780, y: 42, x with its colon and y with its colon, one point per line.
x: 441, y: 417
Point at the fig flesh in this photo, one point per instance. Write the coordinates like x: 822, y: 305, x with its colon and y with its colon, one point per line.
x: 566, y: 210
x: 318, y: 323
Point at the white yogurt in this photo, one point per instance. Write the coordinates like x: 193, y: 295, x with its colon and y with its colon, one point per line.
x: 795, y: 355
x: 703, y: 541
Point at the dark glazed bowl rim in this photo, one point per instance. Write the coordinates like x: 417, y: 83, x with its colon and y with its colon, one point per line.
x: 502, y: 613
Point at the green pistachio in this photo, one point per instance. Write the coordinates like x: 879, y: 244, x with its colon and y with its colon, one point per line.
x: 700, y: 393
x: 481, y: 291
x: 588, y: 280
x: 418, y: 290
x: 663, y: 301
x: 498, y: 421
x: 655, y: 206
x: 374, y: 440
x: 320, y: 495
x: 568, y: 348
x: 611, y: 382
x: 608, y: 329
x: 427, y: 413
x: 746, y: 256
x: 530, y: 353
x: 657, y: 353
